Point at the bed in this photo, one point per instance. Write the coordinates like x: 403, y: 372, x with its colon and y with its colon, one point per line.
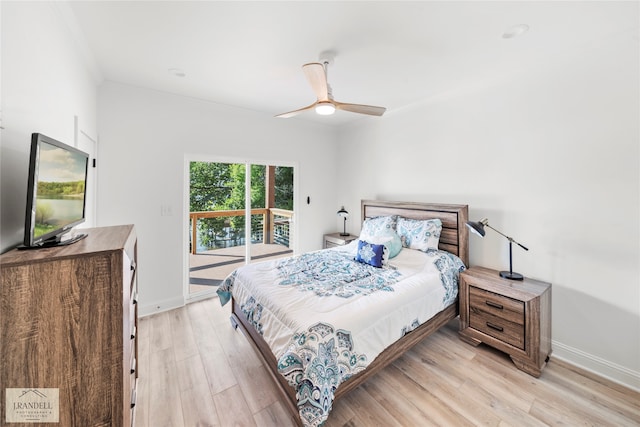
x: 320, y: 342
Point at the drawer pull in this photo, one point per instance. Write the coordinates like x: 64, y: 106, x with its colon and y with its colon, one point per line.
x: 133, y: 398
x: 133, y: 265
x: 496, y: 327
x: 133, y: 368
x: 494, y: 305
x: 133, y: 333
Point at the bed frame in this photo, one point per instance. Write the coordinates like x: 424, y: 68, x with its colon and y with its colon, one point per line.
x: 454, y: 239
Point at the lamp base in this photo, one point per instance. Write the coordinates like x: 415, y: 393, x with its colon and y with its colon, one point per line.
x: 345, y: 234
x: 511, y: 276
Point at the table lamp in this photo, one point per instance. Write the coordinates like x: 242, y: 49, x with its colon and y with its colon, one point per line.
x: 478, y: 228
x: 343, y: 213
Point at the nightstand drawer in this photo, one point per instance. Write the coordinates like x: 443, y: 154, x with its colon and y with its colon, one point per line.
x: 508, y: 332
x: 330, y: 244
x: 336, y: 239
x: 498, y: 316
x: 498, y: 305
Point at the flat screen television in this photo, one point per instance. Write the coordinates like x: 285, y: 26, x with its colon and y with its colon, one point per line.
x: 56, y: 193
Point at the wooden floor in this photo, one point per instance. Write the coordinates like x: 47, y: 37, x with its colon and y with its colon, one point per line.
x: 195, y: 370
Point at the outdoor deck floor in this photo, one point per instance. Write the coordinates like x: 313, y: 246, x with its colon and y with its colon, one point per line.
x: 209, y: 268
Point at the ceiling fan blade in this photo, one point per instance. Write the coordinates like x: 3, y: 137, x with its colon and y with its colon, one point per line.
x: 317, y: 78
x: 296, y: 112
x: 359, y: 108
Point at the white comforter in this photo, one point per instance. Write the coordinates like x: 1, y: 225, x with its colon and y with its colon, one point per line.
x: 326, y: 316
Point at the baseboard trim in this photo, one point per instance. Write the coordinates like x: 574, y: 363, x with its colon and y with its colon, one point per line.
x: 160, y: 306
x: 597, y: 365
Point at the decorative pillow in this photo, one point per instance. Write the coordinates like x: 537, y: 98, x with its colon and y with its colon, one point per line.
x: 390, y: 240
x: 419, y: 234
x: 373, y: 227
x: 370, y: 253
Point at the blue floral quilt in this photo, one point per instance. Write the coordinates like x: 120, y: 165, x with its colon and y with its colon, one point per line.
x: 326, y: 316
x: 334, y: 273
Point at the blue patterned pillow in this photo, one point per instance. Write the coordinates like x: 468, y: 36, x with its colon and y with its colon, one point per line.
x: 372, y: 227
x: 419, y: 234
x: 370, y: 253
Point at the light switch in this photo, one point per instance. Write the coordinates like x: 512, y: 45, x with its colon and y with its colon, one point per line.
x: 166, y: 210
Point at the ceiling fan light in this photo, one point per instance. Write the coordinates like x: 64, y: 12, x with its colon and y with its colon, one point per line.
x: 325, y: 108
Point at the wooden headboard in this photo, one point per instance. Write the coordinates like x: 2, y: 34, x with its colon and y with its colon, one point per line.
x: 455, y: 235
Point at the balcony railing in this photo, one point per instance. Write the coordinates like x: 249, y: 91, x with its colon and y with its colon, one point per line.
x: 271, y: 225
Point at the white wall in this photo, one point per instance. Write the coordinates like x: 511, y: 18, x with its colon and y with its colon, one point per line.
x: 46, y: 84
x: 551, y: 157
x: 144, y: 138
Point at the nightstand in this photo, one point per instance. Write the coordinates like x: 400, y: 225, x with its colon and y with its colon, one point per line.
x: 512, y: 316
x: 335, y: 239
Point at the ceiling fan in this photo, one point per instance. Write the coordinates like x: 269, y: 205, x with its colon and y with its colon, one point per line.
x: 316, y: 74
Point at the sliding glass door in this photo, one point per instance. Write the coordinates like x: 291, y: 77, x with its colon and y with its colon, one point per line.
x: 238, y: 213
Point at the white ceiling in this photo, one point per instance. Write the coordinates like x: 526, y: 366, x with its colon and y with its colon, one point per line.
x: 390, y: 53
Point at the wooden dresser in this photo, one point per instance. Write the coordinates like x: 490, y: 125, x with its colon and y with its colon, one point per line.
x: 510, y: 315
x: 68, y: 318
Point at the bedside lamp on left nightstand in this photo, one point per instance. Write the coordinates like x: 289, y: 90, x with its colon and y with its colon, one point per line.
x: 344, y: 214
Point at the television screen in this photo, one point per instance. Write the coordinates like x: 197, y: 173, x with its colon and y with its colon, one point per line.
x: 56, y: 191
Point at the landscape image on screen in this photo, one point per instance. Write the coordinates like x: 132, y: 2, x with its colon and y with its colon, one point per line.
x: 60, y: 189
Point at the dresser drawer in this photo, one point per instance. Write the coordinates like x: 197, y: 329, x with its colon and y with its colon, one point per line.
x: 498, y: 316
x: 133, y: 276
x: 134, y: 398
x: 133, y: 363
x: 132, y: 318
x: 133, y: 381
